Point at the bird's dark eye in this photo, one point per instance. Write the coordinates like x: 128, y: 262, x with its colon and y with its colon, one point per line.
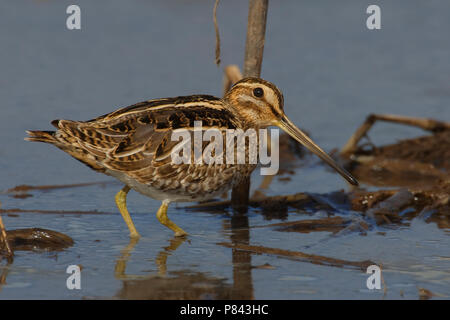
x: 258, y: 92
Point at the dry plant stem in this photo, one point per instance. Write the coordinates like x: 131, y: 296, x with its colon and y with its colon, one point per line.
x: 4, y: 240
x: 256, y: 202
x: 18, y: 210
x: 310, y: 223
x: 425, y: 124
x: 24, y: 188
x: 256, y: 30
x: 232, y: 74
x: 216, y: 29
x: 254, y: 48
x: 320, y: 260
x: 3, y: 275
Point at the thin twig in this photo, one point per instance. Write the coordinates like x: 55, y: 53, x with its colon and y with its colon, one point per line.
x: 216, y: 28
x: 4, y: 240
x: 423, y: 123
x: 286, y: 199
x: 312, y: 258
x: 18, y: 210
x: 24, y: 187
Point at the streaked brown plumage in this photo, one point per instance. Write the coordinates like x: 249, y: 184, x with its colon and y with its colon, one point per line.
x: 134, y: 143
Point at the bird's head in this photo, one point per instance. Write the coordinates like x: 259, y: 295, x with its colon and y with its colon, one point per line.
x: 259, y: 104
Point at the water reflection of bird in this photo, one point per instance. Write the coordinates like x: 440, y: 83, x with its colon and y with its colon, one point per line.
x: 134, y: 144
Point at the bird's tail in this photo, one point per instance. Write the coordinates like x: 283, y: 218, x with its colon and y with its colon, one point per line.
x: 41, y: 136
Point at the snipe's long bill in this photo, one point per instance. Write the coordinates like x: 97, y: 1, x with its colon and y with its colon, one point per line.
x: 132, y: 144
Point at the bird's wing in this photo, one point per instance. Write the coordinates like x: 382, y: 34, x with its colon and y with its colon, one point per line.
x: 137, y: 140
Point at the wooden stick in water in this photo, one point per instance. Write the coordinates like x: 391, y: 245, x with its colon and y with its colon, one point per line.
x: 423, y: 123
x: 297, y: 255
x: 4, y: 240
x: 254, y: 48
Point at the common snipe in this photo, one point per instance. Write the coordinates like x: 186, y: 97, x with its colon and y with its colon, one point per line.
x: 133, y: 144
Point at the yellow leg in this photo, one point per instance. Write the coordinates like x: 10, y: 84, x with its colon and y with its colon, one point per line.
x: 164, y: 219
x: 121, y: 201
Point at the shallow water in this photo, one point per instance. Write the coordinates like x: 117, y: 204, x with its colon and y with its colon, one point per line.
x: 333, y: 72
